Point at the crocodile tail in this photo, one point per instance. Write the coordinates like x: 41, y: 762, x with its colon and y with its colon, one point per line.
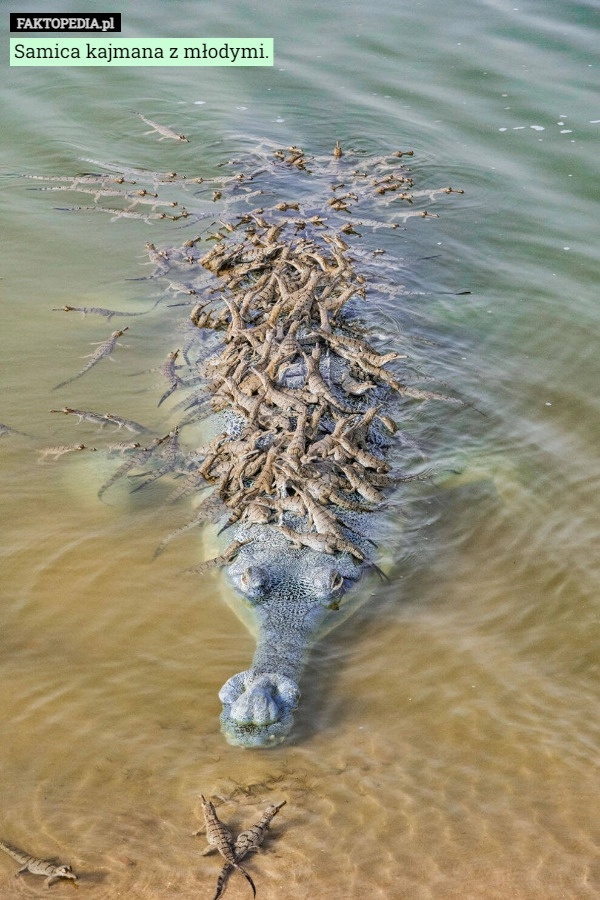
x: 247, y: 877
x: 222, y: 879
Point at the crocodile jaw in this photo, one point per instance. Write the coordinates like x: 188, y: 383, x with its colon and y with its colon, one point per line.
x: 257, y: 708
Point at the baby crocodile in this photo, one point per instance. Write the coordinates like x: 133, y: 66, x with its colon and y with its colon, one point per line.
x: 52, y: 871
x: 162, y: 130
x: 95, y: 310
x: 101, y: 419
x: 105, y: 348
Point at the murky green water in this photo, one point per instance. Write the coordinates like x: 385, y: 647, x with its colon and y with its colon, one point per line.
x: 448, y: 741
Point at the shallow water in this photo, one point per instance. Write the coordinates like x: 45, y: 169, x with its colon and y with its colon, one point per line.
x: 448, y: 740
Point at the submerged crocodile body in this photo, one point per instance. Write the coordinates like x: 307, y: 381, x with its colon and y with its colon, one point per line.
x: 298, y: 463
x: 302, y: 407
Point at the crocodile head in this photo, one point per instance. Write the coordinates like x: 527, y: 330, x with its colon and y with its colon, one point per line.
x: 291, y: 593
x: 65, y: 872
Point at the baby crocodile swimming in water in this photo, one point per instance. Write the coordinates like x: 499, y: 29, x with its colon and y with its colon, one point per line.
x: 162, y: 130
x: 105, y: 348
x: 95, y: 310
x: 52, y: 871
x: 101, y: 419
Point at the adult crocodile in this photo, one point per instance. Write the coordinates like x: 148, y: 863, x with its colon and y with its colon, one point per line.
x: 304, y: 411
x: 301, y: 462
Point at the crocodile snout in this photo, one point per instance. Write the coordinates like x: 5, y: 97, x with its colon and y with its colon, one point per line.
x: 257, y: 708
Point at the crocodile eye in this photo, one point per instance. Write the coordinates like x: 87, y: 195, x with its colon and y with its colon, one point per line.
x: 327, y: 582
x: 337, y: 581
x: 253, y: 580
